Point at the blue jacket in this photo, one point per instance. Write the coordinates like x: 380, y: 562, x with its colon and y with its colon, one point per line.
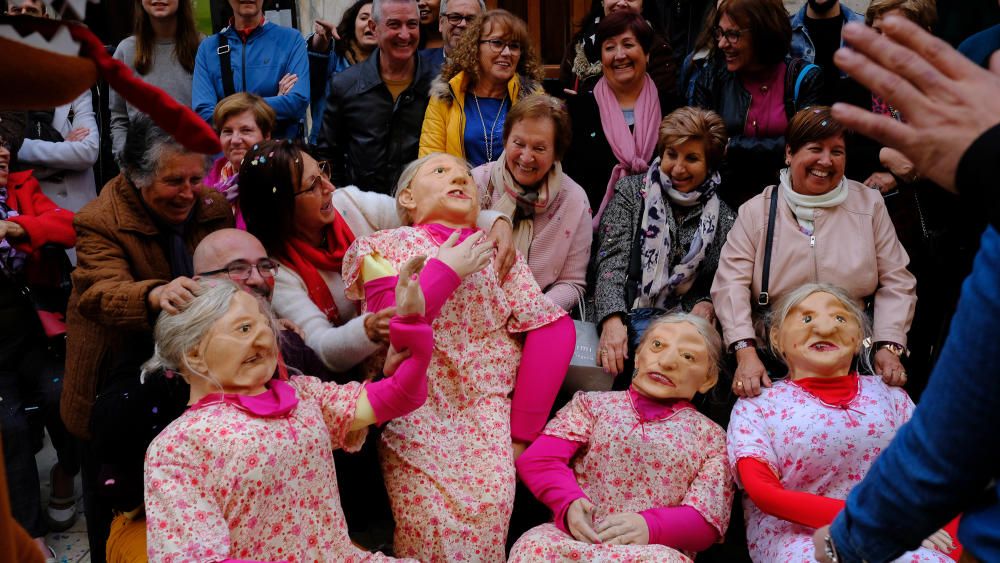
x: 802, y: 46
x: 944, y: 461
x: 270, y: 52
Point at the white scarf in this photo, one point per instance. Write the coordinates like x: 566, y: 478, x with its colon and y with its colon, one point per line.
x: 520, y: 204
x: 659, y: 280
x: 804, y: 206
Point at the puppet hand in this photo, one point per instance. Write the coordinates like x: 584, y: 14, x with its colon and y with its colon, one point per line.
x: 409, y: 294
x: 890, y: 368
x: 750, y: 374
x: 580, y: 520
x: 465, y: 258
x: 502, y: 237
x: 626, y: 528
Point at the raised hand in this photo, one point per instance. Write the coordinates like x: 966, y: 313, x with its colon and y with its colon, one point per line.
x: 468, y: 257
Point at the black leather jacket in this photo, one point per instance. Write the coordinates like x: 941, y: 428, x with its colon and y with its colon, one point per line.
x: 752, y: 163
x: 367, y: 137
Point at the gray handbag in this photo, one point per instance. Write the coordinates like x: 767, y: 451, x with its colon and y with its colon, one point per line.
x: 584, y: 374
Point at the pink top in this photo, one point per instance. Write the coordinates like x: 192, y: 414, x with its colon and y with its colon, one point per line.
x: 560, y: 249
x: 223, y: 179
x: 766, y: 115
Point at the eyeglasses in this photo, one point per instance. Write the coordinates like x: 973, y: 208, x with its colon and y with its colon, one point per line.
x: 316, y: 187
x: 497, y: 45
x: 731, y: 35
x: 455, y: 18
x: 241, y: 271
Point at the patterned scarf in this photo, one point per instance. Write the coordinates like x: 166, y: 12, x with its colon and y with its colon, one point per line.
x: 804, y: 206
x: 521, y: 204
x: 659, y: 280
x: 11, y: 259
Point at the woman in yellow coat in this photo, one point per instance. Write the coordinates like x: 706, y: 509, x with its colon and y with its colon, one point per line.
x: 492, y: 67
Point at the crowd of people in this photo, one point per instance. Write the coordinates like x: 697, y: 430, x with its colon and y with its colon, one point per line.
x: 402, y: 224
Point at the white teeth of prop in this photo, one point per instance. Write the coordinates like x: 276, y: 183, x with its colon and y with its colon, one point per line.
x: 62, y: 43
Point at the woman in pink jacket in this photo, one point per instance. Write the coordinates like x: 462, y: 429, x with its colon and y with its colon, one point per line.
x: 827, y: 229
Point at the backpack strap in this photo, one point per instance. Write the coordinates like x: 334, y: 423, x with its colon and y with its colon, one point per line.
x: 798, y: 82
x: 228, y: 87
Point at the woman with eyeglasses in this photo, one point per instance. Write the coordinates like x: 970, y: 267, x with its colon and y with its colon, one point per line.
x: 241, y: 120
x: 307, y: 224
x: 493, y: 66
x: 756, y: 87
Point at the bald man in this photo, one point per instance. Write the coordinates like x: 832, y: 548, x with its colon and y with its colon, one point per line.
x: 239, y: 256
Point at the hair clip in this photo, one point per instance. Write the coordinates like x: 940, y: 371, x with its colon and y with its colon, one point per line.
x: 263, y: 159
x: 822, y: 123
x: 256, y: 146
x: 270, y: 154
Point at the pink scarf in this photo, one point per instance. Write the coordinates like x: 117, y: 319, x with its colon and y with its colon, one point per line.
x: 635, y: 149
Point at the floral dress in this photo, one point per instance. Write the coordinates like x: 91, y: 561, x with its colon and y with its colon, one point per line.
x: 814, y: 448
x: 223, y: 483
x: 629, y: 466
x: 449, y: 466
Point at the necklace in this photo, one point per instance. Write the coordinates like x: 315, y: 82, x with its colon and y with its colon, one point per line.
x: 488, y: 139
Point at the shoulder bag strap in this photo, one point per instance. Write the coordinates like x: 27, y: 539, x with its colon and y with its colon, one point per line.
x: 228, y: 87
x: 798, y: 82
x: 763, y: 299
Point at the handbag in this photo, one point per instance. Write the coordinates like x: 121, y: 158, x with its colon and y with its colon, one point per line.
x: 583, y: 373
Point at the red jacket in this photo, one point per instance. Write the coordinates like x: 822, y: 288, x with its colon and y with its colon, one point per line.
x: 43, y: 220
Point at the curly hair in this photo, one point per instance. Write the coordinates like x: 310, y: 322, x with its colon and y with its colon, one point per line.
x: 465, y: 56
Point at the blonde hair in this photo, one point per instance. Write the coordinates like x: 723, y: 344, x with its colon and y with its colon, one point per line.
x: 406, y: 178
x: 713, y: 341
x: 691, y: 123
x: 787, y: 302
x: 231, y: 106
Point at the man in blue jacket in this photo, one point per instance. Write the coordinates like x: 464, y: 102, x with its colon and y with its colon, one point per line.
x: 265, y: 59
x: 944, y: 461
x: 816, y: 35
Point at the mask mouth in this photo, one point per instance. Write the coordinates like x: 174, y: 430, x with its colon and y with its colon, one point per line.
x: 661, y: 379
x: 824, y: 346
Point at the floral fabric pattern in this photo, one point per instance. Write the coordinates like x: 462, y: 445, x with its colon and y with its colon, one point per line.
x: 222, y: 483
x: 813, y: 448
x: 449, y: 466
x: 630, y: 466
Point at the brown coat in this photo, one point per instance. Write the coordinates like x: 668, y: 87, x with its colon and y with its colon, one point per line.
x: 119, y: 261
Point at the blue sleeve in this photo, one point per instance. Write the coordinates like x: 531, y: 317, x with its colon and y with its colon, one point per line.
x: 205, y: 78
x: 292, y: 106
x: 940, y: 463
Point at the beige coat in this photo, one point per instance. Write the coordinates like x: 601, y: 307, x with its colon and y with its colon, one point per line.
x: 853, y: 246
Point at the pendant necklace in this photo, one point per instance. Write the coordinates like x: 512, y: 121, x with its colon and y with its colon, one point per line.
x: 488, y: 139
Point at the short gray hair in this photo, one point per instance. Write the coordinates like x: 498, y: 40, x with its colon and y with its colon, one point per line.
x: 406, y: 178
x: 443, y: 8
x: 787, y: 302
x: 713, y: 341
x: 175, y: 335
x: 377, y: 7
x: 145, y: 147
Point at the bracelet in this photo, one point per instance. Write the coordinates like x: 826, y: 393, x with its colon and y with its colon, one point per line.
x: 745, y: 343
x: 897, y: 349
x: 831, y: 549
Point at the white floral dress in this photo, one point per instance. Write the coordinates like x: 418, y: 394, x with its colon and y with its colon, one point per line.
x: 449, y: 466
x: 814, y: 448
x: 222, y: 483
x: 628, y: 466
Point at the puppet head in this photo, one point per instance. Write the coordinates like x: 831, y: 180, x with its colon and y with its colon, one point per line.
x: 677, y: 358
x: 438, y: 188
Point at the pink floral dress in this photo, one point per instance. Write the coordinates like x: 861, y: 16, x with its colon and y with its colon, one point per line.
x: 813, y: 448
x: 449, y: 466
x: 222, y: 483
x: 628, y: 466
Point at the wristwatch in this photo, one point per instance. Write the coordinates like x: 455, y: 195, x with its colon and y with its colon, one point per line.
x: 896, y: 349
x: 831, y: 550
x: 745, y: 343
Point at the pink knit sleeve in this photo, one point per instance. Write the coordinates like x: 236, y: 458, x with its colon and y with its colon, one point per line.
x: 544, y: 469
x: 680, y: 527
x: 544, y: 360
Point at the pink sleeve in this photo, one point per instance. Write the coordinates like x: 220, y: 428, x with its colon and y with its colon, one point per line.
x: 680, y: 527
x: 544, y: 360
x: 437, y: 280
x: 544, y: 469
x: 406, y: 390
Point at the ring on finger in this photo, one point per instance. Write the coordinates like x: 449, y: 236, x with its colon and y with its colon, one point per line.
x: 739, y: 384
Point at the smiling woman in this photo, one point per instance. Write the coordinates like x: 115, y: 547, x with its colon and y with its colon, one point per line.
x: 492, y: 67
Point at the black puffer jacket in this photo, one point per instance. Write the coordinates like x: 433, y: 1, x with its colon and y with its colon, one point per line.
x: 752, y: 163
x: 367, y: 137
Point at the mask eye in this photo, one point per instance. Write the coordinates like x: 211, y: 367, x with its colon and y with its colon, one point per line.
x: 806, y: 319
x: 841, y: 319
x: 244, y: 328
x: 657, y: 345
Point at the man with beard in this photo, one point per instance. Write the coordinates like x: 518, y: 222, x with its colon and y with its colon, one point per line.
x: 816, y: 36
x: 239, y: 256
x: 375, y: 109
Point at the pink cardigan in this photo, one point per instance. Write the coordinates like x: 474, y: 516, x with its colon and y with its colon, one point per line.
x: 561, y: 247
x: 854, y: 246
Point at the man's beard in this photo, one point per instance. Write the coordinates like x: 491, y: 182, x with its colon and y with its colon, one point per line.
x: 822, y: 8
